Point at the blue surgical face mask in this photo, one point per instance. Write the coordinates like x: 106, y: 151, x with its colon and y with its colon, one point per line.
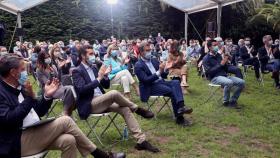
x: 23, y: 77
x: 114, y: 53
x: 215, y: 49
x: 91, y: 59
x: 148, y: 55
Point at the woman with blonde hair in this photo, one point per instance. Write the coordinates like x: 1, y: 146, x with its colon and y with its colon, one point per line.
x: 119, y: 73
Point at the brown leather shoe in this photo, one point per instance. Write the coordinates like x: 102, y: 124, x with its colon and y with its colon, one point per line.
x: 144, y: 113
x: 147, y: 146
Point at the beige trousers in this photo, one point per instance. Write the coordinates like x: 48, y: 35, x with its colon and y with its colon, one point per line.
x: 124, y: 78
x: 114, y: 101
x: 61, y: 134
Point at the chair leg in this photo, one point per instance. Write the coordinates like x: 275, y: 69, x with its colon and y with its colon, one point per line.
x: 212, y: 93
x: 112, y: 121
x: 52, y: 110
x: 92, y: 129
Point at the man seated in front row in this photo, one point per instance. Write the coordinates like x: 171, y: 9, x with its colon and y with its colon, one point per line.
x: 216, y: 71
x: 19, y: 108
x: 151, y: 75
x: 92, y: 99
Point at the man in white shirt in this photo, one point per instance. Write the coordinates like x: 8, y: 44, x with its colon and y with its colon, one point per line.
x: 19, y: 108
x: 89, y: 84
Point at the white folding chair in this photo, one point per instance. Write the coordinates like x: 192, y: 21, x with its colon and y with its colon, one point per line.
x: 99, y: 117
x: 54, y: 104
x: 213, y: 89
x: 116, y: 86
x: 39, y: 155
x: 155, y: 99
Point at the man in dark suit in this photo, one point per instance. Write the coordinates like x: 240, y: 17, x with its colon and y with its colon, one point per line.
x: 269, y: 57
x: 20, y: 109
x: 89, y: 84
x: 151, y: 75
x: 248, y: 55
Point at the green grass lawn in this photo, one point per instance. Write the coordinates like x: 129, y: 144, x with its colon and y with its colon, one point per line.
x: 217, y: 131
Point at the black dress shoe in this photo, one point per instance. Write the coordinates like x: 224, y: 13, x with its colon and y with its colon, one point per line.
x: 233, y: 104
x: 117, y: 155
x: 226, y: 103
x: 144, y: 113
x: 183, y: 122
x: 184, y: 110
x: 147, y: 146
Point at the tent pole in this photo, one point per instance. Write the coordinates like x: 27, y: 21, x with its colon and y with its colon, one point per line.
x: 19, y: 24
x: 219, y: 17
x: 186, y: 25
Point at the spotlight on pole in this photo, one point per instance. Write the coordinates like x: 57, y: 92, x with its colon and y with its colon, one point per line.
x: 112, y: 2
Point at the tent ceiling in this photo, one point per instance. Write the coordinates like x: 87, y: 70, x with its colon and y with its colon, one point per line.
x: 193, y: 6
x: 15, y: 6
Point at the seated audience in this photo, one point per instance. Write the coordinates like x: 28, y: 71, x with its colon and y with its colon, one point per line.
x: 151, y: 75
x: 47, y: 71
x: 19, y: 109
x: 269, y: 57
x: 119, y: 73
x: 216, y: 71
x: 92, y: 99
x: 248, y: 56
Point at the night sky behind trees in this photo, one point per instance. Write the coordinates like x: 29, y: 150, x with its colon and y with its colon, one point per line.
x: 90, y: 19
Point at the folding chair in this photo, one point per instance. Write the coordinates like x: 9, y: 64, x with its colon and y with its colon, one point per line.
x: 213, y: 89
x: 155, y: 99
x: 99, y: 117
x: 54, y: 104
x: 39, y: 155
x: 116, y: 85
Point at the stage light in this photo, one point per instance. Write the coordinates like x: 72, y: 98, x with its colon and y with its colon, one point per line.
x: 112, y: 2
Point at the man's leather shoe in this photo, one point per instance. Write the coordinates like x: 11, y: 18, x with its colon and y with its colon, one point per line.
x: 144, y: 113
x: 182, y: 121
x: 233, y: 104
x: 117, y: 155
x: 185, y: 110
x: 147, y: 146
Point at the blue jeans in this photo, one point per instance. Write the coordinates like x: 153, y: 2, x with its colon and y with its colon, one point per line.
x: 170, y: 89
x: 274, y: 67
x: 228, y: 83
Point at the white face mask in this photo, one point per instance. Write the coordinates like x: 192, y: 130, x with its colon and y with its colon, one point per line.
x: 3, y: 53
x: 270, y: 42
x: 247, y: 42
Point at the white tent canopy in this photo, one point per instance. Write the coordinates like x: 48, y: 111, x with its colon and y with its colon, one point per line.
x: 16, y: 6
x: 194, y: 6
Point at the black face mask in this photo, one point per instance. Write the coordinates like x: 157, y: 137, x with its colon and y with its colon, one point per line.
x: 68, y: 52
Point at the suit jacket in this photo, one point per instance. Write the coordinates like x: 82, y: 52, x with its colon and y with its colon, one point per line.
x: 12, y: 114
x: 146, y: 78
x: 244, y: 54
x: 263, y: 55
x: 85, y: 89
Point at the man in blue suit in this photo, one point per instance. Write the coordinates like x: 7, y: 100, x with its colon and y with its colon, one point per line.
x: 151, y: 75
x: 92, y: 98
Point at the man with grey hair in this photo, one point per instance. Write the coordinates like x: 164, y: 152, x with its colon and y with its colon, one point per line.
x: 20, y: 112
x: 151, y: 75
x: 269, y: 56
